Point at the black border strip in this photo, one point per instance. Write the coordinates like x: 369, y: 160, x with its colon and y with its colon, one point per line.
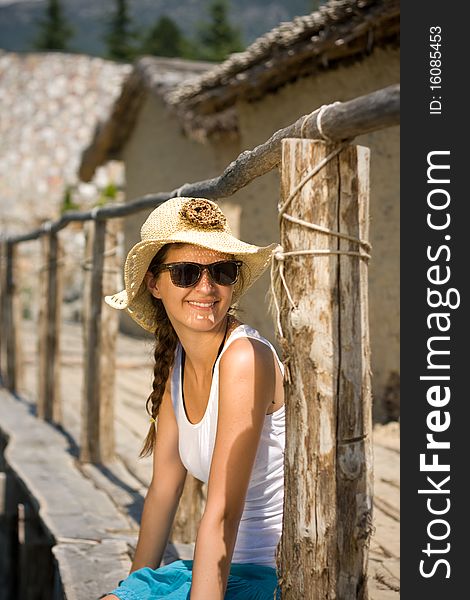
x: 434, y: 134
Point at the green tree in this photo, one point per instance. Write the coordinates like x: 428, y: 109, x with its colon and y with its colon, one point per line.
x: 54, y: 32
x: 164, y: 39
x: 218, y: 38
x: 120, y: 37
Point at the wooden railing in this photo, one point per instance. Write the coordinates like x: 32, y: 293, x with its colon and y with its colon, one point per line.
x: 322, y: 554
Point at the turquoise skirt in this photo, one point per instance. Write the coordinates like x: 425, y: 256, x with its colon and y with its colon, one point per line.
x: 246, y: 582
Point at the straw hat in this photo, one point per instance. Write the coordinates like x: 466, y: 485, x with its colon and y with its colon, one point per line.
x: 192, y: 221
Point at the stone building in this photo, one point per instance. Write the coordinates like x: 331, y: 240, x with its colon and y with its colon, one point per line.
x: 346, y: 49
x: 50, y: 104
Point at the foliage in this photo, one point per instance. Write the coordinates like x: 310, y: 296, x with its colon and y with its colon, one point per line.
x: 164, y: 39
x: 54, y: 32
x: 120, y: 38
x: 108, y: 194
x: 67, y: 201
x: 218, y: 38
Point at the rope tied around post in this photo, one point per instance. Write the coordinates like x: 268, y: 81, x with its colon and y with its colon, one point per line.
x: 279, y: 255
x: 318, y: 113
x: 282, y: 208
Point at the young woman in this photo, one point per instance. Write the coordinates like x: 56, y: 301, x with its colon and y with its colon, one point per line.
x: 217, y: 408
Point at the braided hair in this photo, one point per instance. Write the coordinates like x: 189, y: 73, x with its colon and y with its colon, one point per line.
x: 164, y: 353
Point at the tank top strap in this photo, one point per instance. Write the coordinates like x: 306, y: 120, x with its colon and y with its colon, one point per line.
x: 245, y: 330
x: 176, y: 378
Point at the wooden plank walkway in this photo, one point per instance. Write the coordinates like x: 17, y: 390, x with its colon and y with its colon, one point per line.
x: 121, y: 485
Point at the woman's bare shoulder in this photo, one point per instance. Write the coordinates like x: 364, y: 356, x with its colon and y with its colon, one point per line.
x: 245, y: 352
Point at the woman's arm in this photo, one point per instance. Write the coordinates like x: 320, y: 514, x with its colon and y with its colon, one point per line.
x: 246, y: 386
x: 166, y: 487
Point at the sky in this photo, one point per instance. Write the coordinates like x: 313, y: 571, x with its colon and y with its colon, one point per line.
x: 6, y: 2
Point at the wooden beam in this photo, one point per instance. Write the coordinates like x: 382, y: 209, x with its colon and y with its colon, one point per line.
x: 354, y: 474
x: 10, y: 324
x: 190, y: 510
x: 35, y: 566
x: 112, y: 280
x: 90, y: 450
x: 327, y: 503
x: 3, y: 367
x: 49, y: 317
x: 100, y: 333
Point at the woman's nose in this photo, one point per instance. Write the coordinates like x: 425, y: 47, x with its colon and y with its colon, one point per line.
x: 205, y: 281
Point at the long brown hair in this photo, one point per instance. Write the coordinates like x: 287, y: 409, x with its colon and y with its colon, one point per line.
x: 164, y: 352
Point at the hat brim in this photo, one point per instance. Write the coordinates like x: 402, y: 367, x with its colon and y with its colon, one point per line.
x: 136, y: 298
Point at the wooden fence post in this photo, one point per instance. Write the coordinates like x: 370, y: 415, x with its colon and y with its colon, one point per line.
x: 9, y: 498
x: 328, y: 456
x: 190, y: 511
x: 49, y: 318
x: 100, y: 333
x: 11, y: 321
x: 34, y: 562
x: 3, y: 246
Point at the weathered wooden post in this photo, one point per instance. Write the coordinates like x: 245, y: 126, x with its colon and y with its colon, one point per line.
x: 328, y: 457
x: 100, y: 326
x: 34, y: 561
x: 49, y: 318
x: 190, y: 511
x: 11, y: 316
x: 9, y: 498
x: 2, y: 308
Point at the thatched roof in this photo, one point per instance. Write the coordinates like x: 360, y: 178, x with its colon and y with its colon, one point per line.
x: 204, y: 96
x: 339, y: 31
x: 150, y: 74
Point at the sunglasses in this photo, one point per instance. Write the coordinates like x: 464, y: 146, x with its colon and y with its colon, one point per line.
x: 187, y: 274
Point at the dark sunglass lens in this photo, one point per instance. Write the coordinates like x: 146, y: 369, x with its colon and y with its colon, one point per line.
x: 225, y: 273
x: 184, y: 275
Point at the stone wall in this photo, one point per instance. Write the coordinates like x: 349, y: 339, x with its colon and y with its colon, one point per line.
x: 50, y: 105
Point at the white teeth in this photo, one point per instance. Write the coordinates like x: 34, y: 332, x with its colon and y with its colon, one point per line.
x: 202, y: 304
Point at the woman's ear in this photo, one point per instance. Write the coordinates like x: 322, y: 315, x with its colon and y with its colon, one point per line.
x: 151, y: 283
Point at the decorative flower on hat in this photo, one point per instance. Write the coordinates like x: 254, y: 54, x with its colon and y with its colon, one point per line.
x: 201, y: 213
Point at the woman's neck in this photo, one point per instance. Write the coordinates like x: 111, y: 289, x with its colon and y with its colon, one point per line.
x: 201, y: 348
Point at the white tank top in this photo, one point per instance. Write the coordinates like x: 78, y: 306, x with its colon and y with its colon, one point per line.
x: 261, y: 522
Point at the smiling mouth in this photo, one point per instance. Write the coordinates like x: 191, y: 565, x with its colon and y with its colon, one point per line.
x: 203, y: 305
